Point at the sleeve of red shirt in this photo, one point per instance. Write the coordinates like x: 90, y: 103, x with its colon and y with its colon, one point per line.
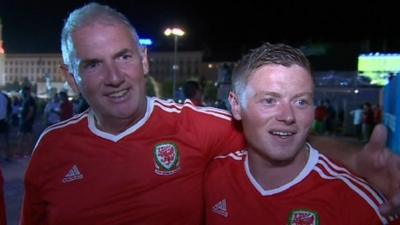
x: 218, y: 133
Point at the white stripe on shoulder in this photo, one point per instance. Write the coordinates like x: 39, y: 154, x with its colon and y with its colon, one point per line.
x: 173, y: 107
x: 73, y: 120
x: 333, y: 165
x: 327, y: 163
x: 238, y: 155
x: 211, y: 109
x: 350, y: 180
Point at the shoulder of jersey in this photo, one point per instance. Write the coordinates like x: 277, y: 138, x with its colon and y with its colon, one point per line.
x: 173, y: 107
x: 331, y: 171
x: 237, y: 155
x: 63, y: 124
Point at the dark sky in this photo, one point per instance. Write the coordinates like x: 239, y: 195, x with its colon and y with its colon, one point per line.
x: 222, y: 29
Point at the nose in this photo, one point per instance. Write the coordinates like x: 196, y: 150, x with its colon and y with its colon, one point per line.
x: 285, y: 113
x: 114, y: 76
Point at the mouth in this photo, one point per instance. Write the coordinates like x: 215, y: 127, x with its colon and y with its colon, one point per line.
x: 118, y: 95
x: 282, y: 134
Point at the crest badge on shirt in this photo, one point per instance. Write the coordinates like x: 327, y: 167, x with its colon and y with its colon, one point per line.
x: 303, y: 217
x: 166, y: 158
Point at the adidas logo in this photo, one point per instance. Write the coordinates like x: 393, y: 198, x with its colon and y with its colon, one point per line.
x: 220, y: 208
x: 73, y: 174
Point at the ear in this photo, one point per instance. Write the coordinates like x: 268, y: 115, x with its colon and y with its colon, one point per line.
x: 235, y: 105
x: 69, y: 77
x: 145, y: 61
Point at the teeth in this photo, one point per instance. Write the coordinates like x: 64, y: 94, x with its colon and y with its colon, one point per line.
x: 281, y: 133
x: 118, y: 94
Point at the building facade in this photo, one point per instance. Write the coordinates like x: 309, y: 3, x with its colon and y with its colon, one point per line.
x: 44, y: 69
x: 189, y: 65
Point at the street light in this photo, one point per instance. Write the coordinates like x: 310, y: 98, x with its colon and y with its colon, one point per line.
x: 176, y: 32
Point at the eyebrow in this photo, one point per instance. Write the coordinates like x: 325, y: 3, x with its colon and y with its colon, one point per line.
x: 116, y: 55
x: 275, y: 94
x: 304, y: 93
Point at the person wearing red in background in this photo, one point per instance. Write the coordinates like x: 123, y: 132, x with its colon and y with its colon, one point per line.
x: 367, y: 121
x: 66, y: 107
x: 192, y: 91
x: 377, y: 114
x: 320, y: 115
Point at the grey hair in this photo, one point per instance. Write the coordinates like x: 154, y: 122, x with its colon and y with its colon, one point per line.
x: 266, y: 54
x: 84, y: 16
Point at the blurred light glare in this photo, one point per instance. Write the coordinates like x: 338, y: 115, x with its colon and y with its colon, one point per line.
x: 174, y: 31
x: 145, y: 41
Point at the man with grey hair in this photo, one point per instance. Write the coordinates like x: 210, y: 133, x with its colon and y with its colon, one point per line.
x: 129, y: 159
x: 279, y: 176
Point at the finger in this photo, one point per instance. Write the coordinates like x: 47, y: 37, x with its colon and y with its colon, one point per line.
x: 376, y: 146
x: 378, y: 138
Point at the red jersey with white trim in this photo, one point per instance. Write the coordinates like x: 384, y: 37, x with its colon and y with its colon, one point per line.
x: 323, y: 193
x: 152, y: 173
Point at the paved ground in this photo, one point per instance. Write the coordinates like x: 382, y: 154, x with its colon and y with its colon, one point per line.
x: 13, y: 173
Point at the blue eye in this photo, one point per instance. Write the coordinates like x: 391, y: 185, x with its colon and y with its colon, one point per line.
x: 302, y: 102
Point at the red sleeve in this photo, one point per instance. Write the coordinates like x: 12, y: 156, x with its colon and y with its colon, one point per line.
x: 217, y: 132
x: 3, y: 219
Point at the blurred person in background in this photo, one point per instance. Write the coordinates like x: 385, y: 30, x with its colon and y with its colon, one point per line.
x: 66, y: 107
x: 52, y: 110
x: 26, y: 120
x: 357, y: 120
x: 5, y: 112
x: 192, y: 91
x: 367, y: 121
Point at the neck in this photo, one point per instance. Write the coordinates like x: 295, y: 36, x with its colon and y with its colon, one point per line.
x: 271, y: 174
x: 116, y: 125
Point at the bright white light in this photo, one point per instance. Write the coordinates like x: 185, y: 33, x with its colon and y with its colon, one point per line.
x: 174, y: 31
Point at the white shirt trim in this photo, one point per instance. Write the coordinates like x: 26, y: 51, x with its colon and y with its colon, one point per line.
x: 311, y: 162
x: 130, y: 130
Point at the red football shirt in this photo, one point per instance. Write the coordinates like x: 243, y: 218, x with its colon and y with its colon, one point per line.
x: 152, y: 173
x: 322, y: 193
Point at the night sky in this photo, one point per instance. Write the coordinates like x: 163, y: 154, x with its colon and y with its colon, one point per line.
x: 221, y: 29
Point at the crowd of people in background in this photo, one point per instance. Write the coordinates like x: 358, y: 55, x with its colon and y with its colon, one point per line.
x: 24, y: 115
x: 327, y: 121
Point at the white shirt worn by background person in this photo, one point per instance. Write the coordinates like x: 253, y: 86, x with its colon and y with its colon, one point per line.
x: 357, y: 116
